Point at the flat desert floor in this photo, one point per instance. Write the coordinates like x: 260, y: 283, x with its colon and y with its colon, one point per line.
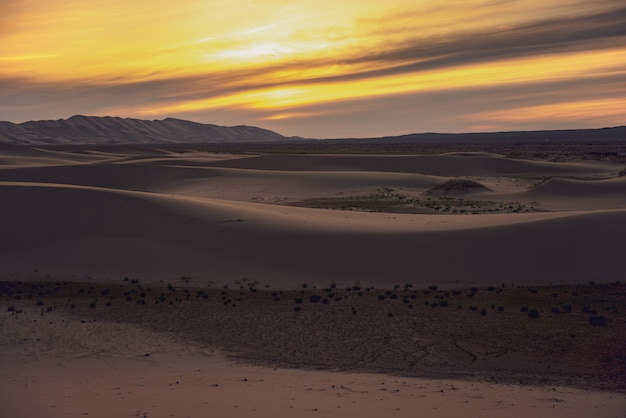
x: 145, y: 281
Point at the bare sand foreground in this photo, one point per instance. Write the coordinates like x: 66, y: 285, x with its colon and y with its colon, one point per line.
x: 248, y: 232
x: 57, y: 366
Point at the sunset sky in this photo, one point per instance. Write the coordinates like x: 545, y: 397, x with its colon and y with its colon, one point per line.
x: 319, y: 68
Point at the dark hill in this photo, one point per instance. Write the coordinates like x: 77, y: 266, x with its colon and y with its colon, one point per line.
x: 112, y: 130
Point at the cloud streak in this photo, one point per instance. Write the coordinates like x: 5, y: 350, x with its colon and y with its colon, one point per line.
x: 528, y: 39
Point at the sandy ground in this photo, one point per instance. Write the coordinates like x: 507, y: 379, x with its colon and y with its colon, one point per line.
x: 220, y: 219
x: 59, y: 366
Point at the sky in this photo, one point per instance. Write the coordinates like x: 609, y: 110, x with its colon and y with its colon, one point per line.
x: 319, y: 68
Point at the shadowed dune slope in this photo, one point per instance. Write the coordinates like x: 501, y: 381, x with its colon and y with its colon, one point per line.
x: 576, y: 188
x: 13, y: 155
x: 72, y: 230
x: 236, y: 184
x: 16, y: 150
x: 438, y: 165
x: 131, y: 176
x: 568, y: 194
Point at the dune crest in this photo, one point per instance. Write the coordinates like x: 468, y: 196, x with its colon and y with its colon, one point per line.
x: 47, y: 225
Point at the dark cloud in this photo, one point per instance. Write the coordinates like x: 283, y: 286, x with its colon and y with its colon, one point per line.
x: 583, y: 33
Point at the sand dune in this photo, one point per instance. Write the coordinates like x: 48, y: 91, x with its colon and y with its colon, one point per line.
x: 284, y: 186
x: 282, y: 178
x: 123, y: 176
x: 47, y: 226
x: 7, y: 150
x: 223, y: 183
x: 160, y: 215
x: 437, y: 165
x: 560, y: 187
x: 569, y: 194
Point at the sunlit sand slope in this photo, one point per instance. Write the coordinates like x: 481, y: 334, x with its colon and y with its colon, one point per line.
x: 78, y: 230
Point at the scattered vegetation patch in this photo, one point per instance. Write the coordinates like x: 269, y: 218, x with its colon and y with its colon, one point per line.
x: 391, y: 201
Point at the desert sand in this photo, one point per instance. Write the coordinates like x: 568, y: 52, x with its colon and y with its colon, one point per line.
x: 221, y: 218
x: 58, y: 366
x: 202, y: 220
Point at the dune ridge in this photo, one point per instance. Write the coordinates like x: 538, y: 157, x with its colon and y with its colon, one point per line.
x: 579, y: 188
x: 229, y: 240
x: 206, y: 215
x: 437, y: 165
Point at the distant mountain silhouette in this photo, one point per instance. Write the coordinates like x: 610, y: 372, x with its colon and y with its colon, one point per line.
x: 113, y: 130
x: 576, y: 135
x: 92, y: 130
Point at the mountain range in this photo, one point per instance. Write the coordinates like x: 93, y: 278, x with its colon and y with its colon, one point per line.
x: 113, y: 130
x: 93, y: 130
